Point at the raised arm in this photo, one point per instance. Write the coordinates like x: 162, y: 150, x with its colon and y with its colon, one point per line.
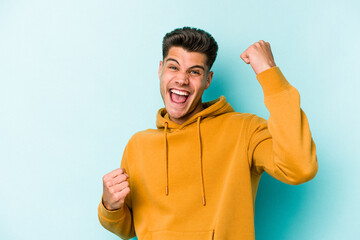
x: 283, y: 146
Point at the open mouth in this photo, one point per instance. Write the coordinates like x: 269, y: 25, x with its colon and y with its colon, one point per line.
x: 179, y: 96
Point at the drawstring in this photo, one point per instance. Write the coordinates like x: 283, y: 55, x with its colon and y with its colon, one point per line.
x: 201, y: 163
x: 200, y: 156
x: 166, y: 160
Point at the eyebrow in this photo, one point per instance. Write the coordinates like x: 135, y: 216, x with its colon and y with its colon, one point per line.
x: 195, y: 66
x: 172, y: 59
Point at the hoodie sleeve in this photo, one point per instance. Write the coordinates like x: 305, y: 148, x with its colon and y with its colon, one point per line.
x: 119, y: 222
x: 283, y: 146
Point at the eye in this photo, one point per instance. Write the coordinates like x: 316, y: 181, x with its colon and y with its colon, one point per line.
x: 194, y: 72
x: 172, y: 67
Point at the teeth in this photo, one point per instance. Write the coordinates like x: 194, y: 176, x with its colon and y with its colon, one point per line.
x: 178, y: 92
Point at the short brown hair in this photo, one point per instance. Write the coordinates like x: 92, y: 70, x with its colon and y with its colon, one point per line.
x: 192, y: 40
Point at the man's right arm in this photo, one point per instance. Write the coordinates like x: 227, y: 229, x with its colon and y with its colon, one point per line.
x: 114, y: 211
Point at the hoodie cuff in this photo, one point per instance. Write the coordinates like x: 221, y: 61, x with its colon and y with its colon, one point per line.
x: 272, y: 81
x: 110, y: 215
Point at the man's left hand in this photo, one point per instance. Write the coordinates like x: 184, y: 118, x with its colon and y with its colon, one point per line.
x: 259, y: 56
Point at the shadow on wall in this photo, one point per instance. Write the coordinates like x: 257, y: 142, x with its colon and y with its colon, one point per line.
x: 278, y: 206
x: 220, y: 85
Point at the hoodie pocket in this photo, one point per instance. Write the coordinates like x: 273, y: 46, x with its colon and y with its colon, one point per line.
x: 172, y: 235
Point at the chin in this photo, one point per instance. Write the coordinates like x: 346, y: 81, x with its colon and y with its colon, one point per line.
x: 180, y: 111
x: 175, y: 114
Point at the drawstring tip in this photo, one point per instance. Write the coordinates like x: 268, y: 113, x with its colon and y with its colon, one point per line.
x: 166, y: 190
x: 204, y: 202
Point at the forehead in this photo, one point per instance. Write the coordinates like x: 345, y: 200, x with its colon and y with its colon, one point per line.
x: 186, y: 58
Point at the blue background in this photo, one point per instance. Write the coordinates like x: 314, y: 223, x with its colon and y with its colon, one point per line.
x: 78, y: 78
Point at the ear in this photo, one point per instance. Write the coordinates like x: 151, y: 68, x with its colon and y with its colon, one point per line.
x: 208, y: 79
x: 160, y: 68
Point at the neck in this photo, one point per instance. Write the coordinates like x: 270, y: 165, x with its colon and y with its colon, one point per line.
x: 183, y: 119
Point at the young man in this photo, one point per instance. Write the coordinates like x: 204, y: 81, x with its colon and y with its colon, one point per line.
x: 196, y: 175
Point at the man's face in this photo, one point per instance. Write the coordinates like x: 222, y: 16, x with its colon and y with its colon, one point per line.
x: 183, y: 78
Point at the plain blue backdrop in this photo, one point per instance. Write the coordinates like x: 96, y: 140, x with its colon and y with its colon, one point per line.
x: 78, y: 78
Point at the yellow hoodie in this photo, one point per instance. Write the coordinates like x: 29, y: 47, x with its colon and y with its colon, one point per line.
x: 199, y: 180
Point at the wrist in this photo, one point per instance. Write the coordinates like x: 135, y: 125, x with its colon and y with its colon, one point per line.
x: 264, y: 67
x: 108, y: 206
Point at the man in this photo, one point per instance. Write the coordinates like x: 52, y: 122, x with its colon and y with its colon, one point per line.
x: 196, y: 175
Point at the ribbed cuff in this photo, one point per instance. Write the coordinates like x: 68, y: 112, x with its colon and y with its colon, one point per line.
x: 272, y: 81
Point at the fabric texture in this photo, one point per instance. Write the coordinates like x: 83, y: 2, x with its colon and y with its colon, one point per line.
x: 199, y: 180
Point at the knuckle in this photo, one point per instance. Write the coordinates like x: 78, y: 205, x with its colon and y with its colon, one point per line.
x: 127, y: 190
x: 120, y: 196
x: 124, y: 185
x: 124, y: 192
x: 105, y: 178
x: 123, y: 177
x: 116, y: 197
x: 107, y: 184
x: 118, y: 179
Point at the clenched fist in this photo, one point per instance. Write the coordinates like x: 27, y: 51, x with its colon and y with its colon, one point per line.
x: 115, y: 189
x: 259, y: 56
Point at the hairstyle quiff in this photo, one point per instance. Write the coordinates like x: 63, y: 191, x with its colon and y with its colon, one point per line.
x: 192, y: 40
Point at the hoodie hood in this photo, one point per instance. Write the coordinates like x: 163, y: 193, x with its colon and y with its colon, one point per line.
x: 211, y: 109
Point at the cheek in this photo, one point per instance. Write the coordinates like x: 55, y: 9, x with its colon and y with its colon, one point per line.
x: 163, y: 85
x: 165, y: 79
x: 199, y: 85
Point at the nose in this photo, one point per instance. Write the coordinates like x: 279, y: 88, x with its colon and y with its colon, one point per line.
x: 182, y: 78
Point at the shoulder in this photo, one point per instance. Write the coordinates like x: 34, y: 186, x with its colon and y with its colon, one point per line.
x: 144, y: 135
x: 241, y: 118
x: 234, y: 122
